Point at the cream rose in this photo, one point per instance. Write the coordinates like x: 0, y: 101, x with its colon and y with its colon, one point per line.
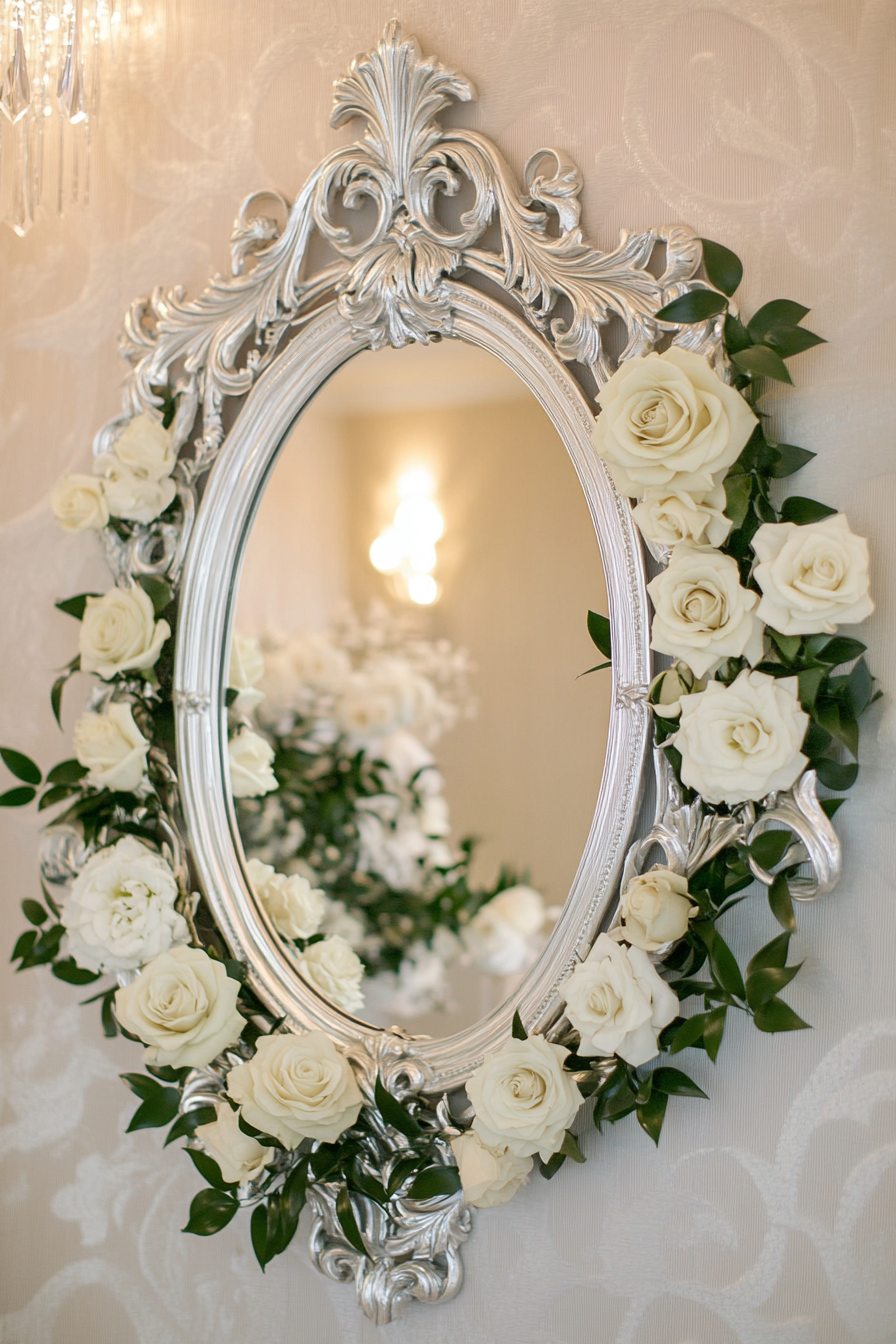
x: 297, y: 1087
x: 183, y: 1007
x: 78, y: 504
x: 501, y: 936
x: 618, y: 1003
x: 246, y: 671
x: 146, y: 448
x: 120, y: 911
x: 665, y: 691
x: 295, y: 907
x: 251, y: 765
x: 335, y: 970
x: 655, y: 909
x: 741, y: 741
x: 813, y: 578
x: 240, y: 1157
x: 119, y: 633
x: 112, y: 748
x: 489, y: 1176
x: 523, y: 1099
x: 138, y: 499
x: 668, y: 421
x: 702, y: 614
x: 669, y: 517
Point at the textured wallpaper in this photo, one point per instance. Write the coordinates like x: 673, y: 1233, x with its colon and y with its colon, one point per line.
x: 765, y: 1217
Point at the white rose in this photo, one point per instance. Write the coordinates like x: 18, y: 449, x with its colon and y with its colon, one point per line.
x: 138, y: 499
x: 251, y: 765
x: 146, y: 448
x: 297, y: 1087
x: 813, y: 578
x: 523, y: 1099
x: 112, y: 748
x: 489, y: 1176
x: 668, y: 421
x: 618, y: 1003
x: 78, y: 503
x: 741, y: 741
x: 702, y: 614
x: 295, y: 907
x: 665, y: 691
x: 338, y: 919
x: 120, y: 911
x: 240, y: 1157
x: 183, y: 1007
x: 669, y: 517
x: 500, y: 936
x: 316, y: 660
x: 335, y: 970
x: 246, y: 670
x: 119, y: 633
x: 655, y: 909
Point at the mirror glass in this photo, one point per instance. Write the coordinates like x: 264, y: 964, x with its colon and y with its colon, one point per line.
x: 414, y: 756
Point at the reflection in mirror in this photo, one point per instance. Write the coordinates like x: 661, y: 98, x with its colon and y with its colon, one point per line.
x: 414, y: 762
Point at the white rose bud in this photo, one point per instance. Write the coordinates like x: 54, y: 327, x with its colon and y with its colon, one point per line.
x: 742, y: 741
x: 120, y: 911
x: 119, y: 633
x: 138, y: 499
x: 336, y: 971
x: 241, y: 1158
x: 251, y: 765
x: 297, y: 1087
x: 489, y: 1176
x: 246, y: 670
x: 295, y: 907
x: 145, y: 448
x: 702, y: 614
x: 617, y: 1002
x: 523, y: 1099
x: 78, y: 504
x: 665, y: 691
x: 183, y: 1007
x: 112, y: 748
x: 669, y: 517
x: 813, y: 578
x: 655, y: 909
x: 669, y: 422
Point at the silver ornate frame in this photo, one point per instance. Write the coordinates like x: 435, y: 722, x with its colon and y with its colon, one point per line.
x: 516, y: 277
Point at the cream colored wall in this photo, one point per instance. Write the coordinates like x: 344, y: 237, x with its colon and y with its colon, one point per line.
x: 767, y: 1215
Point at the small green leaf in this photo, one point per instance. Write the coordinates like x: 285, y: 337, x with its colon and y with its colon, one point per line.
x: 364, y: 1184
x: 769, y: 848
x: 157, y: 590
x: 209, y: 1212
x: 773, y: 954
x: 258, y: 1231
x: 18, y: 797
x: 738, y: 493
x: 777, y: 313
x: 599, y: 630
x: 675, y: 1083
x: 831, y: 806
x: 781, y: 904
x: 434, y: 1181
x: 34, y: 912
x: 698, y: 305
x: 570, y: 1147
x: 67, y: 772
x: 811, y: 680
x: 797, y: 509
x: 788, y: 646
x: 790, y: 341
x: 231, y: 695
x: 836, y: 649
x: 73, y: 974
x: 550, y: 1168
x: 790, y: 459
x: 833, y: 775
x: 761, y: 362
x: 517, y: 1030
x: 765, y: 984
x: 689, y: 1033
x: 159, y: 1108
x: 736, y: 335
x: 724, y: 268
x: 209, y: 1170
x: 20, y: 765
x: 24, y: 943
x: 346, y: 1215
x: 185, y: 1125
x: 400, y: 1173
x: 652, y: 1114
x: 778, y: 1016
x: 714, y: 1031
x: 58, y: 794
x: 76, y: 606
x: 394, y: 1113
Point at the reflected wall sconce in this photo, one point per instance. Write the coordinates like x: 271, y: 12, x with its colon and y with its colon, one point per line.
x: 406, y: 549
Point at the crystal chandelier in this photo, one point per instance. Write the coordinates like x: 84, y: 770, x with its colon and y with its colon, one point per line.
x: 52, y: 53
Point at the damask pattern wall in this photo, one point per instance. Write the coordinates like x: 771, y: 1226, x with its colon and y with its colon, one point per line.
x: 765, y: 1217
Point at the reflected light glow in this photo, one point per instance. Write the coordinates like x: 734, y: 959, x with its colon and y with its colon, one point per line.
x: 406, y: 549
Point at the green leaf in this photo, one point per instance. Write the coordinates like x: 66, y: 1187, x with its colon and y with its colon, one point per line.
x: 394, y: 1113
x: 781, y: 904
x: 736, y: 335
x: 208, y: 1169
x: 698, y: 305
x: 570, y: 1147
x: 777, y: 313
x: 761, y: 362
x: 860, y: 685
x: 76, y: 606
x: 209, y: 1212
x: 689, y: 1033
x: 790, y: 459
x: 675, y: 1083
x: 434, y: 1181
x: 599, y: 667
x: 17, y: 797
x: 185, y: 1125
x: 811, y: 680
x: 34, y: 912
x: 833, y: 775
x: 725, y: 969
x: 400, y: 1173
x: 773, y: 954
x: 836, y: 649
x: 714, y: 1031
x: 73, y: 974
x: 258, y: 1231
x: 517, y: 1030
x: 295, y: 1189
x: 24, y: 943
x: 67, y: 772
x: 769, y: 848
x: 724, y: 268
x: 364, y: 1184
x: 790, y: 341
x: 797, y: 509
x: 599, y: 630
x: 738, y: 493
x: 346, y: 1215
x: 158, y: 1109
x: 778, y: 1016
x: 20, y: 765
x: 266, y: 1140
x: 831, y: 806
x: 56, y: 795
x: 765, y: 984
x: 157, y: 590
x: 550, y: 1168
x: 652, y: 1114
